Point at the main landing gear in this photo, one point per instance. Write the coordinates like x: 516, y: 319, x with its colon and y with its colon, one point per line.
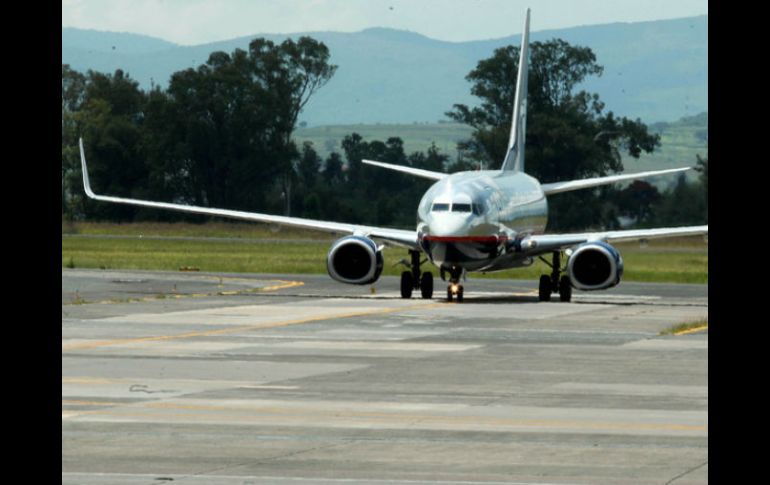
x: 413, y: 279
x: 555, y: 283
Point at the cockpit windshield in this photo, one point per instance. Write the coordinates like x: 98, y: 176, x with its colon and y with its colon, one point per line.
x: 440, y: 207
x: 462, y: 207
x: 458, y: 207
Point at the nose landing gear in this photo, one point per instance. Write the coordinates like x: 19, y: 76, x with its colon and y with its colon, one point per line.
x: 455, y: 289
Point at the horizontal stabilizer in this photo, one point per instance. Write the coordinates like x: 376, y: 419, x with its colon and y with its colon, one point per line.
x: 557, y: 187
x: 418, y: 172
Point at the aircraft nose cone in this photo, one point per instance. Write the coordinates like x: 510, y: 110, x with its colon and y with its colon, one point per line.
x: 448, y: 225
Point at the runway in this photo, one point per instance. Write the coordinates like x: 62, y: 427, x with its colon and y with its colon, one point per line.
x: 234, y: 379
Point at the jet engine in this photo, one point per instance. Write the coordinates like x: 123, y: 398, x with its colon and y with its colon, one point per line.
x: 355, y: 260
x: 595, y: 266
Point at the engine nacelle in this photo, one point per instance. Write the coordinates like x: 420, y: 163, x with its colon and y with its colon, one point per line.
x: 595, y: 266
x: 354, y: 260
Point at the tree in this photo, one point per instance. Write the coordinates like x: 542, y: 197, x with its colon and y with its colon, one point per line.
x: 434, y: 160
x: 237, y: 114
x: 687, y: 202
x: 332, y: 171
x: 568, y: 136
x: 309, y: 165
x: 110, y: 118
x: 376, y: 196
x: 73, y: 86
x: 637, y: 201
x: 683, y: 205
x: 703, y: 167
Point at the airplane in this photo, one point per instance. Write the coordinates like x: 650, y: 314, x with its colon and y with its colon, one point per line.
x: 474, y: 221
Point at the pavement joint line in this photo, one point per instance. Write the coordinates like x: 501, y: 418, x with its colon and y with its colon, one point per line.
x: 245, y: 328
x: 415, y: 421
x: 277, y: 479
x: 282, y: 284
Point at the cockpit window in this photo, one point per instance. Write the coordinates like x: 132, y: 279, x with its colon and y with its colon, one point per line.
x: 461, y: 207
x: 439, y: 207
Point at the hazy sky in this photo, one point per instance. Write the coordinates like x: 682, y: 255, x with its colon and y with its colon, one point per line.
x: 191, y: 22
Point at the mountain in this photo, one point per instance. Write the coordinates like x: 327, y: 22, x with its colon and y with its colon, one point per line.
x: 656, y: 71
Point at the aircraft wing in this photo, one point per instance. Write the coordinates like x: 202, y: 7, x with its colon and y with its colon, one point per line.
x: 396, y: 237
x: 541, y: 243
x: 556, y: 187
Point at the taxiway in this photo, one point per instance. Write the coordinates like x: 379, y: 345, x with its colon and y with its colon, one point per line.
x: 234, y: 379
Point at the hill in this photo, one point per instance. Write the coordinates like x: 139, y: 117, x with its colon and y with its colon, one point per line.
x: 653, y: 70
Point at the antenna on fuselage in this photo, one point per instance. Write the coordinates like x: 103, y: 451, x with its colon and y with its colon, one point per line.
x: 514, y: 158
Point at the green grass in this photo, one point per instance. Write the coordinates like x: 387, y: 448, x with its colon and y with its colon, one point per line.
x: 682, y: 260
x: 184, y: 229
x: 203, y: 255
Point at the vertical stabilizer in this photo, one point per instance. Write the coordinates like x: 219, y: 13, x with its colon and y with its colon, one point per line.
x: 514, y: 158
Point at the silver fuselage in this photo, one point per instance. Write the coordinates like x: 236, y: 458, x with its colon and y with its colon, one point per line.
x: 469, y: 220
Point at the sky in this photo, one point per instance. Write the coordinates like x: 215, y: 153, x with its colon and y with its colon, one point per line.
x: 193, y: 22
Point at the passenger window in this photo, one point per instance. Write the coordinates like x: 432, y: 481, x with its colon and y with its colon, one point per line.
x: 440, y: 207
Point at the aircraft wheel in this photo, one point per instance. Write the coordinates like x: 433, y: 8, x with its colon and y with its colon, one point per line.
x: 544, y: 291
x: 426, y: 285
x: 407, y: 284
x: 449, y: 295
x: 460, y: 294
x: 565, y: 289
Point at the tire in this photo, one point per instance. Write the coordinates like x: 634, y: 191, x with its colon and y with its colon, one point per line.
x: 544, y: 291
x: 460, y: 294
x: 407, y: 284
x: 565, y: 289
x: 448, y: 293
x: 426, y: 285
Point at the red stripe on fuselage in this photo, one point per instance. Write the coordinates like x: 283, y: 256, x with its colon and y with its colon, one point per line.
x: 466, y: 239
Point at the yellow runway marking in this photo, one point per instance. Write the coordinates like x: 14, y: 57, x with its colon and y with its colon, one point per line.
x: 692, y: 330
x: 283, y: 285
x: 246, y: 328
x: 91, y: 381
x: 87, y: 403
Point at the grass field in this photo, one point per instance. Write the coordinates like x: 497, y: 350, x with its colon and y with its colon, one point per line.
x: 257, y: 248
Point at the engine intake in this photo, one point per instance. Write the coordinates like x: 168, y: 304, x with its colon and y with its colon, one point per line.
x: 354, y: 260
x: 595, y: 266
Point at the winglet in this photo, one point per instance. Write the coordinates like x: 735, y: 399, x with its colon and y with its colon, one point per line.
x: 514, y: 158
x: 86, y: 182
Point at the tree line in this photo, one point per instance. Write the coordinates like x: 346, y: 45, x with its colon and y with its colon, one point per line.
x: 220, y: 135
